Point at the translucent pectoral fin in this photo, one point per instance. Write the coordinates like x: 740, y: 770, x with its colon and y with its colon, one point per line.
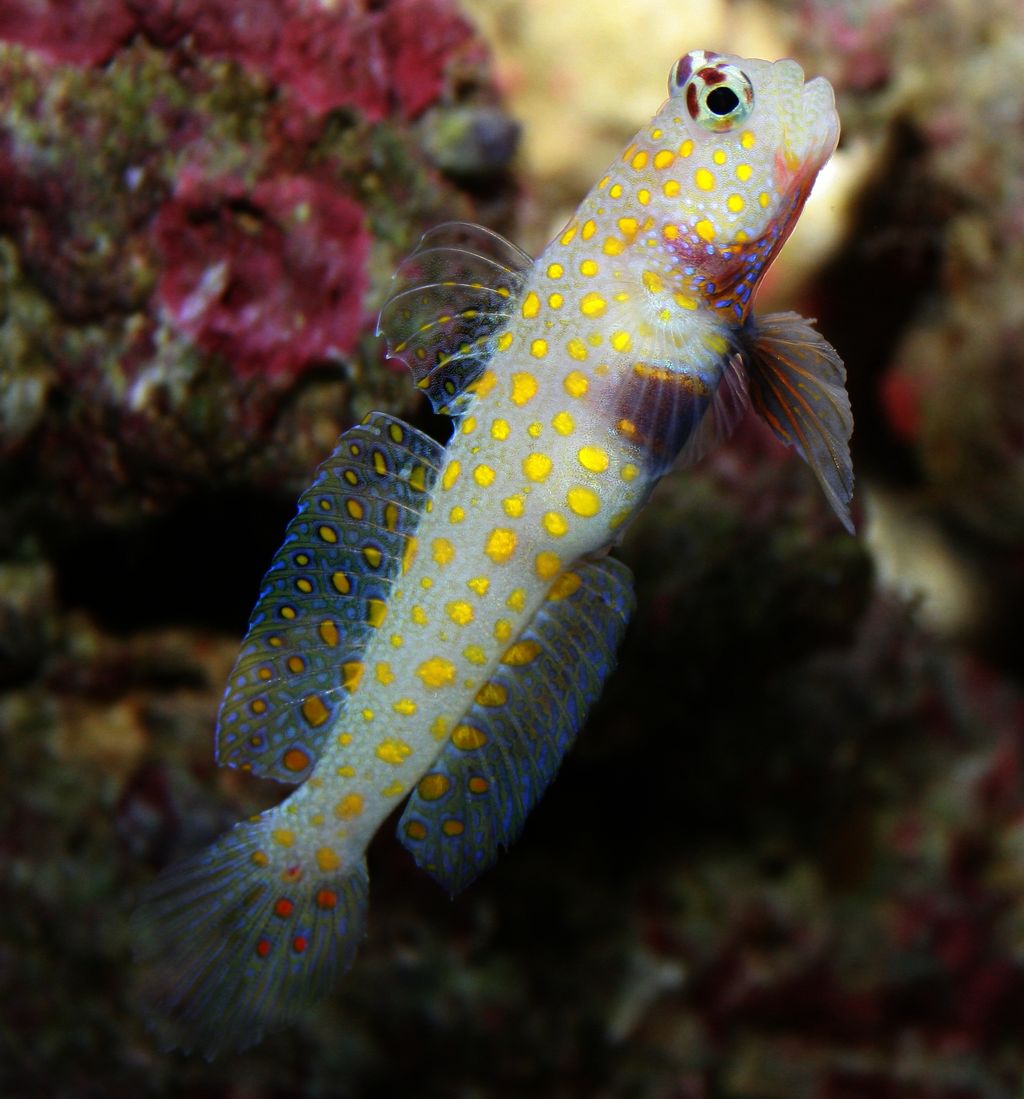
x: 323, y: 596
x: 452, y: 297
x: 798, y: 385
x: 509, y: 744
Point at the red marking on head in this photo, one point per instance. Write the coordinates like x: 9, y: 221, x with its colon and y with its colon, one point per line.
x: 263, y: 947
x: 711, y: 76
x: 284, y: 908
x: 327, y: 898
x: 299, y: 943
x: 691, y: 100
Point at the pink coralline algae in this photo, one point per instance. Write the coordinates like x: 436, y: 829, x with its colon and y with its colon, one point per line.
x: 272, y: 277
x: 381, y: 59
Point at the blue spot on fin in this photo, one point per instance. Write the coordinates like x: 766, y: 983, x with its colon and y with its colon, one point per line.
x: 501, y: 757
x: 452, y: 298
x: 327, y: 586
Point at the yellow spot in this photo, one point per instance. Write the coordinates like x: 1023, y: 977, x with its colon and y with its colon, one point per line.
x: 351, y: 674
x: 460, y: 612
x: 589, y: 268
x: 484, y: 384
x: 505, y: 341
x: 593, y: 305
x: 314, y: 710
x: 716, y: 343
x: 686, y: 148
x: 376, y: 612
x: 555, y: 270
x: 492, y: 694
x: 555, y: 524
x: 744, y: 172
x: 513, y: 506
x: 433, y: 786
x: 747, y: 139
x: 535, y: 429
x: 451, y: 474
x: 436, y: 672
x: 671, y: 188
x: 577, y: 349
x: 475, y: 655
x: 718, y: 156
x: 567, y: 236
x: 705, y: 230
x: 416, y: 830
x: 704, y: 179
x: 328, y: 534
x: 589, y: 229
x: 683, y: 300
x: 393, y: 789
x: 500, y: 429
x: 502, y: 630
x: 735, y: 203
x: 419, y: 616
x: 397, y: 640
x: 327, y: 859
x: 670, y: 231
x: 404, y: 706
x: 345, y: 739
x: 653, y: 282
x: 484, y: 476
x: 373, y: 556
x: 341, y: 583
x: 287, y: 612
x: 615, y: 191
x: 383, y: 673
x: 664, y: 159
x: 466, y: 738
x: 294, y: 664
x: 547, y: 565
x: 283, y: 837
x: 567, y: 584
x: 629, y: 472
x: 439, y: 727
x: 562, y: 422
x: 643, y: 196
x: 537, y: 467
x: 576, y: 384
x: 613, y: 246
x: 531, y: 305
x: 412, y: 547
x: 517, y: 600
x: 593, y: 458
x: 260, y: 858
x: 354, y: 508
x: 442, y: 551
x: 628, y: 226
x: 468, y: 425
x: 479, y: 584
x: 555, y: 301
x: 524, y: 386
x: 367, y: 716
x: 393, y: 751
x: 583, y: 501
x: 621, y: 341
x: 522, y: 652
x: 538, y: 349
x: 639, y: 161
x: 501, y: 544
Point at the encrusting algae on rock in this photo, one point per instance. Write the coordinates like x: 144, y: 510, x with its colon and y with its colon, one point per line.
x: 439, y: 620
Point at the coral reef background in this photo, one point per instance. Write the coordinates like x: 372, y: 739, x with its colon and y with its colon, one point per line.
x: 786, y: 857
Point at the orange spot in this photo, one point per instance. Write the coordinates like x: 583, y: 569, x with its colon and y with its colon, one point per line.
x: 478, y: 785
x: 415, y: 830
x: 283, y: 908
x: 296, y: 664
x: 453, y: 827
x: 327, y: 898
x: 314, y: 710
x: 295, y: 759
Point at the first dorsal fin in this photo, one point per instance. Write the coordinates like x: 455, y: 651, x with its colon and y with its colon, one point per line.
x: 509, y: 744
x: 798, y: 385
x: 323, y: 596
x: 451, y: 299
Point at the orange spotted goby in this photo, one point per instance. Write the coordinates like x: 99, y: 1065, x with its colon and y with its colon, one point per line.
x: 440, y: 619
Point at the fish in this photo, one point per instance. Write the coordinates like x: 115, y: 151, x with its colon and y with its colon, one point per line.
x: 440, y: 618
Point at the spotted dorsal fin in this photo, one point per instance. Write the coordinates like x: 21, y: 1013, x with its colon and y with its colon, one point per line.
x: 323, y: 596
x: 798, y: 385
x: 451, y: 299
x: 509, y: 744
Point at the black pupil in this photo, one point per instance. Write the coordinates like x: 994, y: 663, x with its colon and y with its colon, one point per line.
x: 722, y: 101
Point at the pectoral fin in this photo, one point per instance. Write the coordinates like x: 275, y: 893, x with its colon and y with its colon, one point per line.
x: 798, y: 385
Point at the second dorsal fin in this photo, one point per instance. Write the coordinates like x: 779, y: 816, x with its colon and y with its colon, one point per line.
x: 451, y: 299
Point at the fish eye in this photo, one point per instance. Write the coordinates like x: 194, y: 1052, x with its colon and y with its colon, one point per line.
x: 718, y: 95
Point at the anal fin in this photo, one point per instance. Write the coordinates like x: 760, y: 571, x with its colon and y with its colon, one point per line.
x: 506, y: 749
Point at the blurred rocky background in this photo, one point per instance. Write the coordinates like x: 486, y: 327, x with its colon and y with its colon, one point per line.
x: 786, y: 857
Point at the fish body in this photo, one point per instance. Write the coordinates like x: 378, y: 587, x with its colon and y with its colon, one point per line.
x: 440, y: 619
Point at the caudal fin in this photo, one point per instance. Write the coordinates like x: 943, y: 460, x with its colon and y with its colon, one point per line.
x: 237, y: 939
